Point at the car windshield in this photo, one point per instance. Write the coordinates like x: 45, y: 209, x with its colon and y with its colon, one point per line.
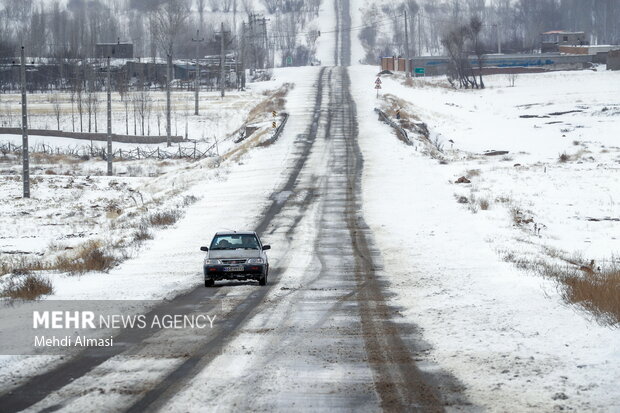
x: 234, y: 242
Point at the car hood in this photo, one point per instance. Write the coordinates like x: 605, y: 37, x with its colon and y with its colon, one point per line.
x: 231, y: 254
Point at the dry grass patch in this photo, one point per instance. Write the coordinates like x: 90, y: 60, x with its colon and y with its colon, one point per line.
x: 597, y: 291
x: 30, y: 287
x: 164, y: 218
x: 21, y: 266
x: 274, y: 102
x: 472, y: 173
x: 484, y: 204
x: 90, y: 256
x: 46, y: 158
x: 142, y: 233
x: 520, y: 217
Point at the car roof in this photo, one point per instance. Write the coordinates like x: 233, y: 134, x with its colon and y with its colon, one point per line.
x: 235, y: 233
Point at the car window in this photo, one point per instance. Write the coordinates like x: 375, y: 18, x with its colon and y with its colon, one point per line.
x: 234, y: 241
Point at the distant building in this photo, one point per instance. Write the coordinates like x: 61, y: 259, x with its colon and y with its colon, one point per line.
x: 393, y: 64
x: 613, y: 60
x: 599, y: 52
x: 114, y: 50
x: 551, y: 41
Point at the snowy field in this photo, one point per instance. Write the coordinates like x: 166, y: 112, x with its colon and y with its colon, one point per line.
x: 77, y: 208
x: 562, y: 169
x: 506, y: 333
x: 82, y: 205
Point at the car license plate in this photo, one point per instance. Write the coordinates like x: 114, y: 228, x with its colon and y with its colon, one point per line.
x: 238, y: 268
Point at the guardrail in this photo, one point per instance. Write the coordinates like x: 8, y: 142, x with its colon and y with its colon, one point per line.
x: 90, y: 136
x: 278, y: 131
x: 399, y: 130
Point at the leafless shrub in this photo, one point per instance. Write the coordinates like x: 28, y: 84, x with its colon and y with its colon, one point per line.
x: 189, y: 200
x: 512, y: 78
x: 21, y: 266
x: 135, y: 170
x: 437, y: 144
x: 142, y: 233
x: 563, y: 158
x: 519, y: 217
x: 90, y: 256
x: 484, y: 204
x: 164, y: 218
x: 30, y: 287
x: 472, y: 172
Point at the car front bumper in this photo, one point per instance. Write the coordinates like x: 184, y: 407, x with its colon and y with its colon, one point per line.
x: 242, y: 272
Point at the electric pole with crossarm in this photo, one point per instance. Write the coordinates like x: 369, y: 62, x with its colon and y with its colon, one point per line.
x: 25, y: 155
x: 110, y: 154
x: 197, y: 40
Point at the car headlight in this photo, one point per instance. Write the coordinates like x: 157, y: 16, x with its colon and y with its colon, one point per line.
x: 255, y: 261
x: 212, y: 262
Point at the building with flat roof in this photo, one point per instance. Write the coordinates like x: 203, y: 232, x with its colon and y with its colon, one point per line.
x: 552, y: 40
x: 114, y: 50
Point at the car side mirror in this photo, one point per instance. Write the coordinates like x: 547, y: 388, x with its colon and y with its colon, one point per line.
x: 266, y: 247
x: 204, y: 248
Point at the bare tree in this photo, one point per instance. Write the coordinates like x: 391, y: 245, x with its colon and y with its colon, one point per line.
x: 457, y: 44
x: 134, y: 106
x: 55, y: 100
x: 96, y: 106
x: 142, y: 99
x: 226, y: 5
x: 475, y: 27
x: 123, y: 89
x: 271, y: 5
x: 72, y: 98
x: 148, y: 109
x: 214, y: 5
x: 248, y: 6
x: 168, y: 20
x: 512, y: 78
x: 200, y: 5
x: 9, y: 114
x: 79, y: 94
x: 158, y: 115
x: 90, y: 107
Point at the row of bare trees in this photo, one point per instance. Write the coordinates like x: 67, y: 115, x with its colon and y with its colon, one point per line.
x: 517, y: 24
x: 84, y: 109
x: 458, y: 43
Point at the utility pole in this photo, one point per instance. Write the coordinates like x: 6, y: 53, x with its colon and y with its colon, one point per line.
x: 266, y: 43
x: 242, y: 55
x: 419, y: 34
x: 407, y: 68
x: 197, y: 40
x: 25, y: 155
x: 109, y: 90
x: 499, y: 40
x: 168, y: 108
x: 222, y: 60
